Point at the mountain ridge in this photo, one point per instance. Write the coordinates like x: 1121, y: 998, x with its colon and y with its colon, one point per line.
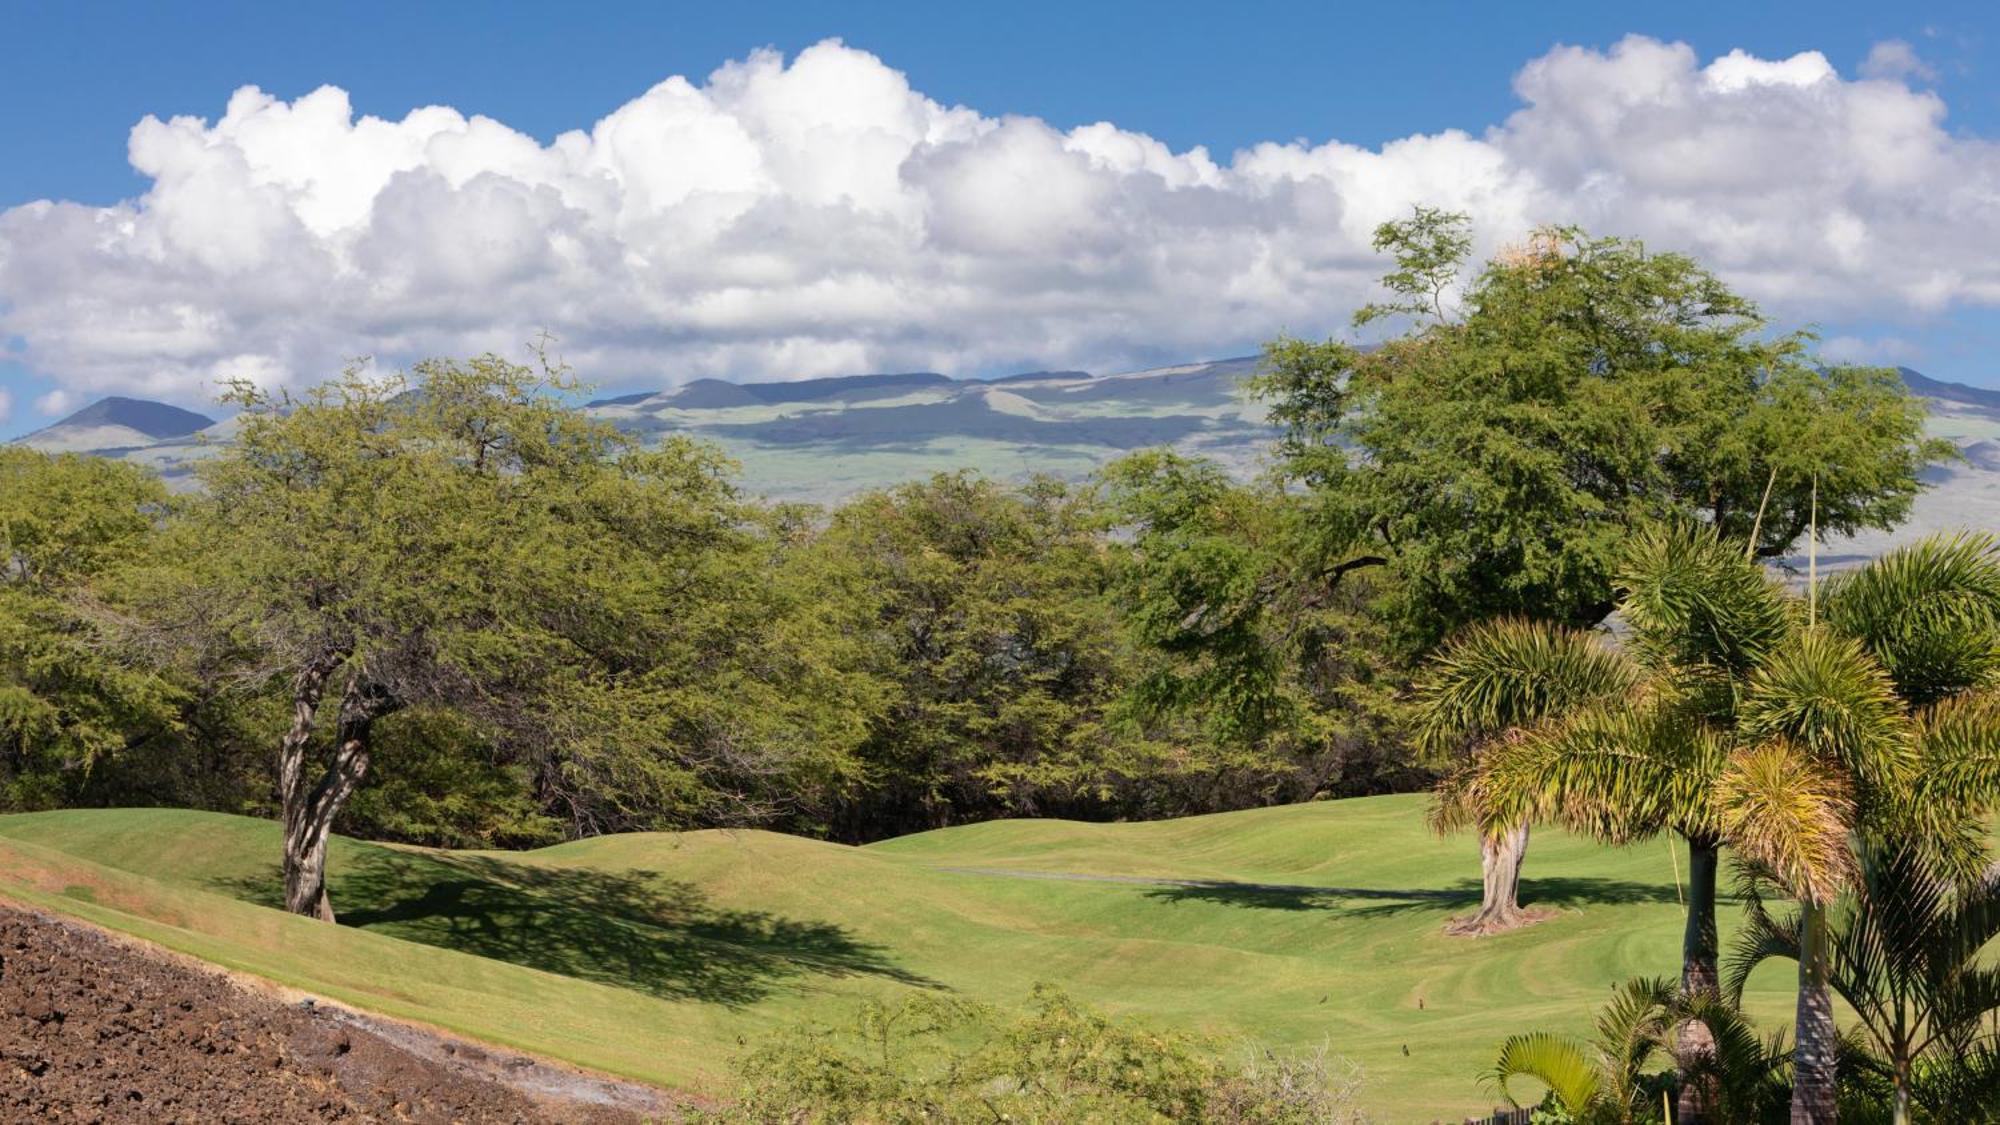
x: 823, y: 440
x: 116, y: 422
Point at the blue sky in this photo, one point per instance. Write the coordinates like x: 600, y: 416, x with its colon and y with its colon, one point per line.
x: 1226, y: 77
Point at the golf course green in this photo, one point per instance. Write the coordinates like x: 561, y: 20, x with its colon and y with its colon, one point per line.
x: 659, y: 956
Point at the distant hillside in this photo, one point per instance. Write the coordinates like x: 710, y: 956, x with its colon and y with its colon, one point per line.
x: 1949, y: 392
x: 117, y: 423
x: 825, y: 439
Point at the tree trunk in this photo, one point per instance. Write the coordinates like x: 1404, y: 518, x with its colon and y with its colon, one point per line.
x: 1899, y: 1102
x: 303, y: 890
x: 1698, y: 976
x: 309, y: 811
x: 1814, y: 1060
x: 1500, y: 854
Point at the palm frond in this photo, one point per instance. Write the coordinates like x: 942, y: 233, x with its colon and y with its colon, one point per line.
x: 1786, y: 812
x: 1958, y: 748
x: 1962, y: 1087
x: 1826, y: 695
x: 1762, y: 937
x: 1744, y: 1073
x: 1631, y: 1028
x: 1930, y: 612
x: 1459, y: 799
x: 1511, y: 674
x: 1560, y: 1062
x: 1695, y: 600
x: 1617, y: 773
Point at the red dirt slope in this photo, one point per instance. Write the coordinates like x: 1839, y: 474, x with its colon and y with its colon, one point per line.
x: 96, y: 1029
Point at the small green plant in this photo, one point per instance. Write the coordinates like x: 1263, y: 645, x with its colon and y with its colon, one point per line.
x: 1606, y: 1080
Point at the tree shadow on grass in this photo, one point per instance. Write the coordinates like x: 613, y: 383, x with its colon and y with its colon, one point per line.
x: 1365, y: 902
x: 636, y: 929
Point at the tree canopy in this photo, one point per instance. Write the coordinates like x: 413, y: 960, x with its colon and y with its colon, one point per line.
x: 67, y: 699
x: 1496, y: 453
x: 461, y: 542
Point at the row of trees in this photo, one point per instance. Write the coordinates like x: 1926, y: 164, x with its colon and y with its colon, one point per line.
x: 444, y: 607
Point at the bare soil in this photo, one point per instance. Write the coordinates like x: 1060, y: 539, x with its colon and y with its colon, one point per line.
x: 99, y: 1029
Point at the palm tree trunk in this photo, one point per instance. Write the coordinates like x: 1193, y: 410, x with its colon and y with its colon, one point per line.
x: 1899, y: 1102
x: 1698, y: 942
x: 1814, y: 1060
x: 1698, y: 975
x: 1500, y: 854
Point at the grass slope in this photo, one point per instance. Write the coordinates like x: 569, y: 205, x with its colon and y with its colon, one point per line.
x: 656, y: 956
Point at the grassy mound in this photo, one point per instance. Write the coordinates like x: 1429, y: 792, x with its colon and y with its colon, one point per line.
x: 658, y: 955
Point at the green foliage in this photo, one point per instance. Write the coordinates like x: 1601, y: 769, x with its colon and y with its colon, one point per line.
x: 1702, y: 612
x: 469, y: 544
x: 1588, y: 388
x: 1905, y: 953
x: 1792, y: 742
x: 1605, y: 1080
x: 983, y: 620
x: 69, y: 701
x: 1510, y: 675
x: 935, y: 1058
x: 1260, y: 655
x: 1929, y: 612
x: 1430, y: 248
x: 444, y: 785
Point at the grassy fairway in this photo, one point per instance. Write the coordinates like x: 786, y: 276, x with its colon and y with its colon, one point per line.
x: 656, y: 955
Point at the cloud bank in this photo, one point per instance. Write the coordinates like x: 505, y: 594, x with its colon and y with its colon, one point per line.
x: 817, y: 215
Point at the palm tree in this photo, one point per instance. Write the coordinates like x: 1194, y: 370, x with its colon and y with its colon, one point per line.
x: 1699, y: 616
x: 1829, y: 749
x: 1751, y: 725
x: 1491, y: 686
x: 1605, y: 1079
x: 1873, y: 726
x: 1904, y: 952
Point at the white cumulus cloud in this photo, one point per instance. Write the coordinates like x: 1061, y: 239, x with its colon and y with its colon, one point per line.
x: 789, y: 218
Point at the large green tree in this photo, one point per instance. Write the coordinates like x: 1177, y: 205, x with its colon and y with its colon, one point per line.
x: 984, y: 614
x: 1259, y: 655
x: 1497, y: 453
x: 69, y: 702
x: 461, y: 543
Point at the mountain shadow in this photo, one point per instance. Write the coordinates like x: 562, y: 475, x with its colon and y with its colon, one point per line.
x: 637, y: 929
